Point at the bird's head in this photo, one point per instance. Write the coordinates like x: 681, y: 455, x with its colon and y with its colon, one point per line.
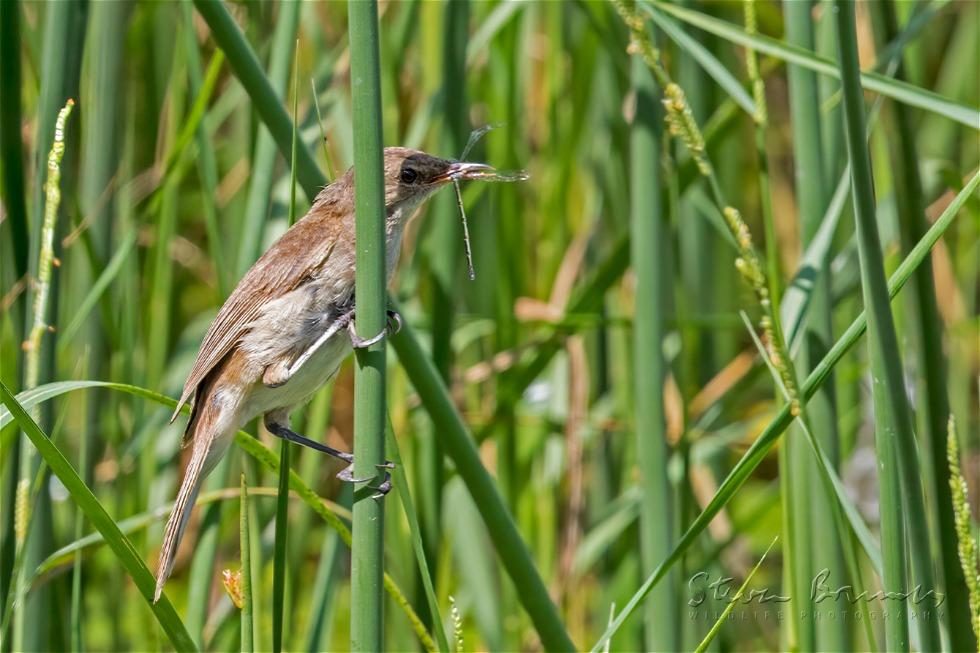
x: 412, y: 176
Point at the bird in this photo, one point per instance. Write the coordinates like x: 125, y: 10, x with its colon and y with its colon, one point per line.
x: 287, y: 326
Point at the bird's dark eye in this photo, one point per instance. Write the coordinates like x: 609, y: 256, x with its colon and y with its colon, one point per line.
x: 409, y: 176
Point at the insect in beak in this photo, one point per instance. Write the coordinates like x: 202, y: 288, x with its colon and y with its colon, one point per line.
x: 463, y: 170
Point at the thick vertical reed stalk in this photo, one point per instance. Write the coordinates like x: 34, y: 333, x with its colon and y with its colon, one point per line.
x: 650, y: 367
x: 815, y: 519
x: 901, y: 488
x: 933, y: 403
x: 367, y: 622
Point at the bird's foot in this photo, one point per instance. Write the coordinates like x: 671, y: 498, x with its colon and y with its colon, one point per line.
x: 347, y: 475
x: 393, y: 326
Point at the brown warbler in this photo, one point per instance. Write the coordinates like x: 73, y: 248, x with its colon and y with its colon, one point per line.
x: 284, y: 330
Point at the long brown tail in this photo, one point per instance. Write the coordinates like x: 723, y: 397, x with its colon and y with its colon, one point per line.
x: 209, y: 445
x: 186, y: 497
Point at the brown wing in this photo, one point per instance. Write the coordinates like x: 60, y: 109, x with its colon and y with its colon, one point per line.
x: 291, y: 261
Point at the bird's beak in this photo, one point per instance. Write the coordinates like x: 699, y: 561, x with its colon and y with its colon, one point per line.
x: 463, y: 170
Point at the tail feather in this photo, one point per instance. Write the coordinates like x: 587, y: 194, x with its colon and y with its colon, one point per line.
x: 208, y: 433
x: 181, y: 513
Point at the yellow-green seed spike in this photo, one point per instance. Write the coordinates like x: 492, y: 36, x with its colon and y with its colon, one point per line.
x: 966, y: 547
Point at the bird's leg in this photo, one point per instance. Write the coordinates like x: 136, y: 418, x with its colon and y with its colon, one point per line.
x: 285, y: 433
x: 393, y: 326
x: 347, y: 473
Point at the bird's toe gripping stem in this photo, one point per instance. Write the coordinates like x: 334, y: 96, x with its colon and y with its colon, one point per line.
x: 393, y: 326
x: 347, y: 475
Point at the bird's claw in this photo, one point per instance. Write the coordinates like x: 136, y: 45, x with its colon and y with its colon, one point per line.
x: 393, y: 325
x: 383, y: 489
x: 347, y: 475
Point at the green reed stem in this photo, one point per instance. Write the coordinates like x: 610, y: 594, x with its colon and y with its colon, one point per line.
x: 815, y: 518
x: 245, y: 547
x: 650, y: 265
x: 894, y: 435
x: 367, y: 552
